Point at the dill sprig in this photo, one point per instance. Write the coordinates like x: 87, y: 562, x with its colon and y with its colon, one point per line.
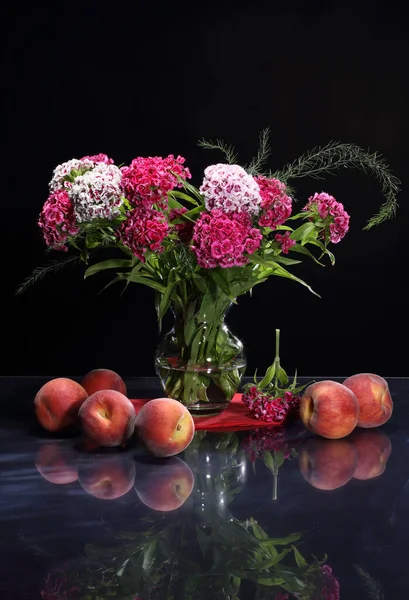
x: 39, y: 273
x: 373, y: 587
x: 255, y: 165
x: 326, y: 160
x: 228, y: 151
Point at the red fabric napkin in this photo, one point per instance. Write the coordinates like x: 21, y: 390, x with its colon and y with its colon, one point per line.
x: 235, y: 416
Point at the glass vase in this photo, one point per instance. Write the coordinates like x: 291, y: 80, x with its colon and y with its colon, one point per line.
x: 199, y: 361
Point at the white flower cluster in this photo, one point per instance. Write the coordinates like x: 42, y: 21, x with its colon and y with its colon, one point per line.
x: 231, y: 189
x: 97, y: 194
x: 61, y: 171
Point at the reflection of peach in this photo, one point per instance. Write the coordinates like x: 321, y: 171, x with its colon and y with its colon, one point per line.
x: 373, y: 449
x: 327, y: 464
x: 57, y: 463
x: 330, y: 409
x: 107, y: 477
x: 103, y: 379
x: 374, y: 398
x: 57, y: 403
x: 164, y: 484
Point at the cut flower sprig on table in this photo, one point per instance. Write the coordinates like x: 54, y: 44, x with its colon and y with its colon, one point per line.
x: 274, y: 399
x: 200, y: 248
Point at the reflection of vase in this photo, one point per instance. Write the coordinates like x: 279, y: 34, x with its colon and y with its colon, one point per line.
x: 219, y: 467
x: 200, y: 362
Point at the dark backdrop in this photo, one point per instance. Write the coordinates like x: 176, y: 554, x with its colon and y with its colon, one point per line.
x: 151, y: 78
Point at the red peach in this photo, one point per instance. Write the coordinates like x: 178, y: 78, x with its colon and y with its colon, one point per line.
x: 57, y: 462
x: 107, y: 477
x: 373, y: 449
x: 57, y: 403
x: 165, y: 426
x: 107, y: 418
x: 165, y: 485
x: 329, y: 408
x: 374, y: 398
x: 103, y: 379
x: 327, y: 464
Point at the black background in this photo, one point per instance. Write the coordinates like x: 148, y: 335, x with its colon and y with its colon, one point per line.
x: 152, y: 78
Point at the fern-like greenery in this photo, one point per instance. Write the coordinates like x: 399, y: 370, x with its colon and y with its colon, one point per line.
x: 40, y: 272
x: 373, y: 587
x: 326, y: 160
x: 323, y: 161
x: 228, y: 151
x: 255, y: 166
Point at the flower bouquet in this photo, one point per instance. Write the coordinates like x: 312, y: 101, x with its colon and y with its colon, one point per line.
x: 200, y: 248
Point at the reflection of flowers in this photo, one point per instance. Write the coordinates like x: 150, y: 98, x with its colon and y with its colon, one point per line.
x: 273, y: 446
x: 58, y: 585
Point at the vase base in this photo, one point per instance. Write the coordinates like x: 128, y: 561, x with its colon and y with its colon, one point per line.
x: 206, y: 409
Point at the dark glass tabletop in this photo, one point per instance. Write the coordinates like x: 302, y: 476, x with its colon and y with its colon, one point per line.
x: 265, y: 514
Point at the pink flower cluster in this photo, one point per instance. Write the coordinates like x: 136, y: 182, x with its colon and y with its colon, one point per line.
x: 57, y: 220
x: 146, y: 181
x: 99, y: 158
x: 185, y: 229
x: 271, y: 409
x: 276, y: 204
x: 231, y: 189
x: 330, y: 585
x: 332, y: 212
x: 223, y: 240
x: 285, y: 241
x: 144, y: 228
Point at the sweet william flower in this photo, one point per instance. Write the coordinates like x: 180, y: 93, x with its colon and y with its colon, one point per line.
x: 57, y: 220
x: 335, y: 217
x: 231, y: 189
x: 276, y: 204
x: 144, y: 228
x: 224, y: 240
x: 147, y: 180
x: 97, y: 193
x: 285, y: 241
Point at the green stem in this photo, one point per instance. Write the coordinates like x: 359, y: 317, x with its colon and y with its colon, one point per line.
x: 277, y: 358
x: 275, y: 484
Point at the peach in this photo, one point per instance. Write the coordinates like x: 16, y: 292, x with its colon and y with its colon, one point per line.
x: 374, y: 398
x: 329, y: 409
x: 327, y: 464
x: 165, y: 426
x: 103, y: 379
x: 165, y: 484
x: 57, y: 403
x: 373, y: 450
x: 107, y: 477
x: 107, y: 418
x: 57, y: 462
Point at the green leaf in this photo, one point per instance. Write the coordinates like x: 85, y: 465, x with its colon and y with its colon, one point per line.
x: 119, y: 277
x: 147, y: 281
x: 113, y: 263
x: 219, y: 280
x: 167, y: 296
x: 268, y: 376
x: 282, y: 376
x: 299, y: 559
x: 286, y: 261
x: 304, y: 250
x: 303, y: 231
x: 193, y: 212
x: 281, y: 272
x: 182, y: 196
